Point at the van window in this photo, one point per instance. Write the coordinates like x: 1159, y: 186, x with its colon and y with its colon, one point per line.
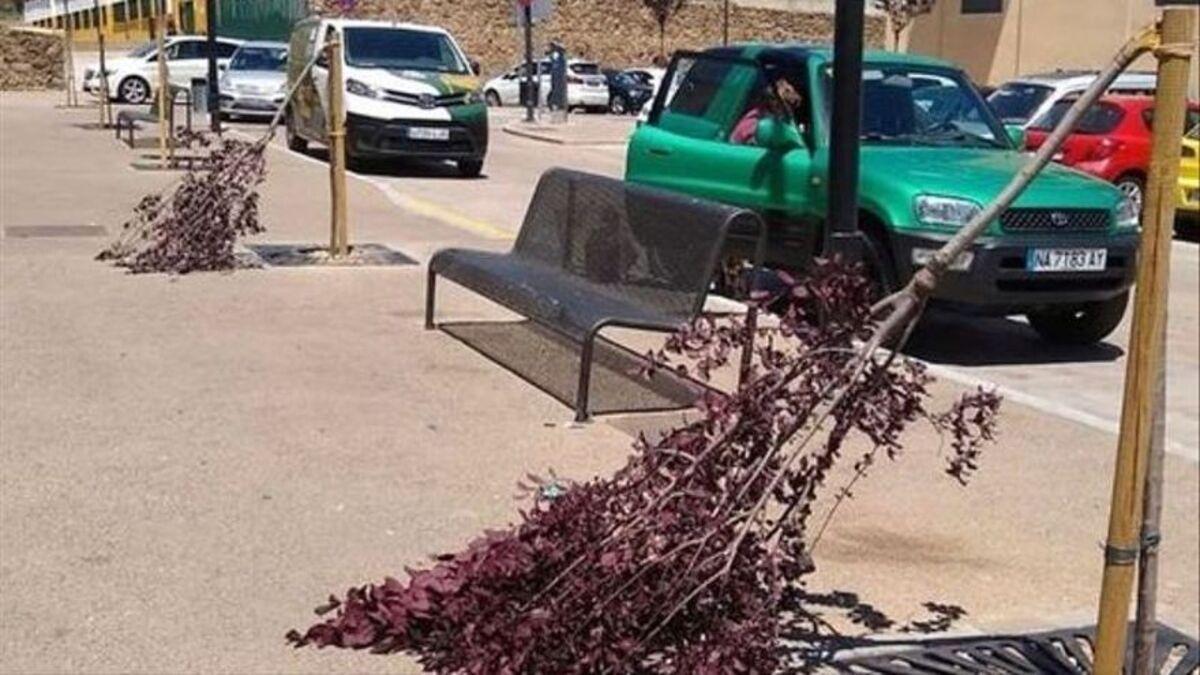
x: 402, y: 49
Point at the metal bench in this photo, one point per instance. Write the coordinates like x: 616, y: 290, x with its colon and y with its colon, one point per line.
x: 594, y: 252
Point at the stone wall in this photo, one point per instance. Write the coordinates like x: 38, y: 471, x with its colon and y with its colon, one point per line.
x: 30, y: 58
x: 615, y: 32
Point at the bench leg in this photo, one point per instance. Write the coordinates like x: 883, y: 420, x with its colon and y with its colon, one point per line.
x: 585, y: 378
x: 430, y: 292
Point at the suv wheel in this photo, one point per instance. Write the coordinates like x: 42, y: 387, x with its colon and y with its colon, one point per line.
x: 1082, y: 324
x: 134, y: 90
x: 618, y: 106
x: 470, y: 168
x: 492, y: 99
x: 295, y: 142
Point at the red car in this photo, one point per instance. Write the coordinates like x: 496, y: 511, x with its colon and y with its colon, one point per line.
x: 1111, y: 141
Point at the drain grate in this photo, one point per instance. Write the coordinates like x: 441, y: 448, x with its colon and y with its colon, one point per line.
x: 308, y: 255
x: 53, y: 231
x: 1064, y: 652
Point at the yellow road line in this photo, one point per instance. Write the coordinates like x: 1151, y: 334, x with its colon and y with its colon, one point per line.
x: 421, y: 207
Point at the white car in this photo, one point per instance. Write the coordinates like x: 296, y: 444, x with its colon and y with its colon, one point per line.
x: 1025, y: 99
x: 586, y: 85
x: 255, y: 83
x: 133, y: 78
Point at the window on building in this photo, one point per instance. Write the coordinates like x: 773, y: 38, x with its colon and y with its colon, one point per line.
x: 982, y: 6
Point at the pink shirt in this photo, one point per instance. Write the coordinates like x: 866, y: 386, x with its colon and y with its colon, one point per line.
x: 746, y: 128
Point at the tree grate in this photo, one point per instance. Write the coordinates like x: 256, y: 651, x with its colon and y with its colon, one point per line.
x: 1063, y: 652
x: 53, y: 231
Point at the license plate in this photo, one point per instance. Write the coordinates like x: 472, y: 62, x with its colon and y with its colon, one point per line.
x: 1066, y: 259
x: 428, y: 134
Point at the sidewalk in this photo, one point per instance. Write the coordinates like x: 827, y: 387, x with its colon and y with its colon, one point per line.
x: 189, y: 465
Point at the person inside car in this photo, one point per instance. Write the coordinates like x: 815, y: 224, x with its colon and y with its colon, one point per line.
x: 781, y: 101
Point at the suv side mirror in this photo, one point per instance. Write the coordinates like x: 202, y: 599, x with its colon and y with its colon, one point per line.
x: 774, y: 134
x: 1016, y: 134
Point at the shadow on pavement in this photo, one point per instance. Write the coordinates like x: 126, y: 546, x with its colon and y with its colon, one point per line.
x: 550, y: 363
x: 816, y: 641
x: 954, y: 339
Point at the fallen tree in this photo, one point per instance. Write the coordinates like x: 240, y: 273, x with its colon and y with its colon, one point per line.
x: 678, y: 562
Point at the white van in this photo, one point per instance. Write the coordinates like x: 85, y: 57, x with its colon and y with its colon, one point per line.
x: 410, y: 92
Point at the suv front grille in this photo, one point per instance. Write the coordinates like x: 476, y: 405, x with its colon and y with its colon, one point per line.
x: 1055, y: 220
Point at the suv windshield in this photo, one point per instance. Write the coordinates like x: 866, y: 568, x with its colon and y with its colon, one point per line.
x: 1016, y: 101
x: 1101, y: 118
x: 260, y: 58
x: 402, y: 49
x: 917, y: 106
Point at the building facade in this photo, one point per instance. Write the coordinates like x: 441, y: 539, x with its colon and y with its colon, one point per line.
x: 131, y: 21
x: 997, y: 40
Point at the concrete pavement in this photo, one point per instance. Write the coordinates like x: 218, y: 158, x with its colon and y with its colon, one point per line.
x: 188, y: 465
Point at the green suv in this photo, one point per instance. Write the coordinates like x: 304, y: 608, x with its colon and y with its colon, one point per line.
x: 932, y: 156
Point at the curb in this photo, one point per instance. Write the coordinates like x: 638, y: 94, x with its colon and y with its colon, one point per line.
x: 552, y: 136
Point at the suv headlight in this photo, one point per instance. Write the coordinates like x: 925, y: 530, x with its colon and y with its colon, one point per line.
x: 361, y: 88
x: 945, y: 211
x: 1127, y: 213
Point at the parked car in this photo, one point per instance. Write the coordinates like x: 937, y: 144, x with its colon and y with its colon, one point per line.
x: 1025, y: 99
x: 629, y: 90
x: 586, y: 85
x: 133, y: 78
x: 933, y: 155
x: 255, y: 83
x: 1189, y: 177
x: 410, y: 91
x: 1111, y: 141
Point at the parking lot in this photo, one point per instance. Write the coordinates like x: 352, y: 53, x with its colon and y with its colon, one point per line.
x: 1082, y: 384
x: 190, y: 462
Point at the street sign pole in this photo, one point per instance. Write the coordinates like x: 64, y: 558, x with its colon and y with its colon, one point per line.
x: 841, y: 236
x: 214, y: 95
x: 531, y: 92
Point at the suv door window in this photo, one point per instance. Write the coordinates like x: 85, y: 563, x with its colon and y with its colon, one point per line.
x: 225, y: 50
x: 705, y: 96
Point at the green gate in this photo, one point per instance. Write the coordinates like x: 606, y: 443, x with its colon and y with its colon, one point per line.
x: 260, y: 19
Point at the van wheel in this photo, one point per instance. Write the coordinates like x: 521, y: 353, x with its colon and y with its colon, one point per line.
x: 470, y: 168
x: 294, y: 142
x: 1083, y: 324
x: 492, y: 99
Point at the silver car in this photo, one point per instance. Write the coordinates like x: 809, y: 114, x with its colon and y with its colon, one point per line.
x: 255, y: 83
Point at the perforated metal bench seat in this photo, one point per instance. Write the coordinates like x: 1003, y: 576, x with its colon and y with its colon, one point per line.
x: 566, y: 303
x: 594, y: 252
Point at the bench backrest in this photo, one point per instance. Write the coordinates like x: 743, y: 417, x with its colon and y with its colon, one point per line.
x: 656, y: 248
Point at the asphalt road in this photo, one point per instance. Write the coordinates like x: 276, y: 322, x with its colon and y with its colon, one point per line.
x: 1080, y: 383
